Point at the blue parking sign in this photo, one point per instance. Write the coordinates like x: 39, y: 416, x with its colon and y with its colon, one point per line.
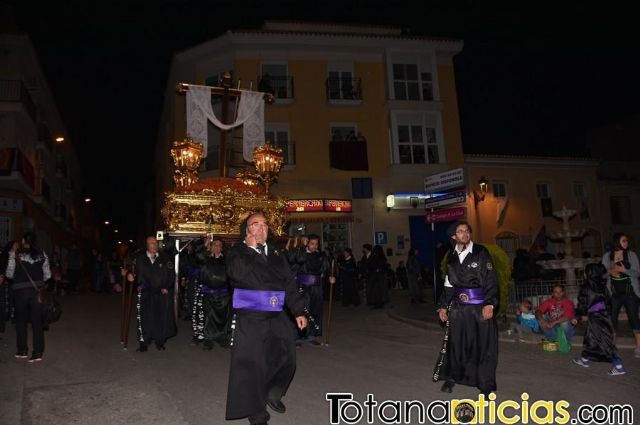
x: 381, y: 238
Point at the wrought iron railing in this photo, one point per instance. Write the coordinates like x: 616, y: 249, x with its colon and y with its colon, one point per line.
x: 344, y: 88
x: 279, y: 86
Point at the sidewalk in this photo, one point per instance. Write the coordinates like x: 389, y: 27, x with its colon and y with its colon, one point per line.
x: 424, y: 316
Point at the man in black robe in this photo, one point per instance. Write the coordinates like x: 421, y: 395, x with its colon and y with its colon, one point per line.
x: 312, y: 266
x: 468, y: 302
x: 263, y: 353
x: 155, y: 274
x: 212, y: 301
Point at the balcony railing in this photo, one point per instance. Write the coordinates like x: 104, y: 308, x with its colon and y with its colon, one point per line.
x: 349, y: 155
x: 344, y: 88
x: 279, y: 86
x: 16, y: 91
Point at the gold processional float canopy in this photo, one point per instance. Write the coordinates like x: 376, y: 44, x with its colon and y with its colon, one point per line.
x: 217, y: 206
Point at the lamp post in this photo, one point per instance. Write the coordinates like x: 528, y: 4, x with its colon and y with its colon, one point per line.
x: 186, y: 155
x: 479, y: 196
x: 268, y: 161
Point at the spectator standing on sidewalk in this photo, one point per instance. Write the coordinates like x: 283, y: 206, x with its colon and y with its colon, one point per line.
x: 28, y: 266
x: 623, y: 284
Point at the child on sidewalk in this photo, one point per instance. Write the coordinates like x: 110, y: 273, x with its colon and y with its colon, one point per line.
x: 527, y: 323
x: 598, y: 342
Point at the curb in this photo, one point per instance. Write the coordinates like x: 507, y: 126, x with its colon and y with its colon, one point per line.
x: 622, y: 343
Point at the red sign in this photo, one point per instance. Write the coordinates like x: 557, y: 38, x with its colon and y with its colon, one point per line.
x: 441, y: 216
x: 337, y: 205
x: 304, y: 205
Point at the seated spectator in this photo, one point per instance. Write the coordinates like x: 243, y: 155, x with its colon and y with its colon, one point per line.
x: 557, y: 311
x: 527, y: 323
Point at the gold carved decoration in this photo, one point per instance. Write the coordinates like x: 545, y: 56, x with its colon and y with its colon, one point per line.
x: 219, y: 207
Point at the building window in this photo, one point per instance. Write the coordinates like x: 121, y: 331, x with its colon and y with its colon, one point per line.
x: 406, y: 85
x: 416, y: 139
x: 427, y: 85
x: 278, y: 135
x: 343, y: 132
x: 499, y: 189
x: 341, y: 85
x: 620, y: 210
x: 362, y: 188
x: 543, y: 190
x: 275, y: 79
x: 582, y: 202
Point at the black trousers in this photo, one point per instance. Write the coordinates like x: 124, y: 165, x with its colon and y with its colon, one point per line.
x: 631, y: 304
x: 28, y: 309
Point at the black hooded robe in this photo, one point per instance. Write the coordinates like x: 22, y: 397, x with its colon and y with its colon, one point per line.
x: 472, y: 349
x: 263, y: 352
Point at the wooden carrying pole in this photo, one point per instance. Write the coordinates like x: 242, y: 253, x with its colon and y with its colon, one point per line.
x: 327, y: 335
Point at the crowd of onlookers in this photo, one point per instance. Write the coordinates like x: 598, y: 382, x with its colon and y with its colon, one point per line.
x: 606, y: 288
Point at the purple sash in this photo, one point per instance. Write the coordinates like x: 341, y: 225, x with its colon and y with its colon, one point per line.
x: 308, y: 279
x: 214, y: 291
x: 469, y: 296
x: 254, y: 300
x: 597, y: 307
x: 142, y: 286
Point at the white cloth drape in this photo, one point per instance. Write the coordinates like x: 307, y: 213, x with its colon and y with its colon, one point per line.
x: 250, y: 113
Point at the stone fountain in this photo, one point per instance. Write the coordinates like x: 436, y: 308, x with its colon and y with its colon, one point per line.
x: 569, y: 264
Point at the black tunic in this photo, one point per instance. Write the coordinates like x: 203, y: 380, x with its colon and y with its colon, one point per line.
x: 598, y: 344
x: 263, y: 356
x: 472, y: 350
x: 315, y: 263
x: 212, y: 311
x: 348, y: 277
x: 156, y: 319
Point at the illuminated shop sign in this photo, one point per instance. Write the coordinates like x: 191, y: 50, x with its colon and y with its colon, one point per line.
x: 319, y: 205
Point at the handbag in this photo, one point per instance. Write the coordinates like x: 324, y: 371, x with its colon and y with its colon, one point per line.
x: 51, y: 308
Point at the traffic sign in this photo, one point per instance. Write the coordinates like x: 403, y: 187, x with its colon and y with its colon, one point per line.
x: 381, y: 238
x: 450, y: 214
x: 456, y: 197
x: 451, y: 179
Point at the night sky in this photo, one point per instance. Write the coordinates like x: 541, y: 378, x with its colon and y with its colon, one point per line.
x: 531, y: 79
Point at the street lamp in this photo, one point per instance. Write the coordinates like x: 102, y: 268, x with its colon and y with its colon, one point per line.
x: 479, y: 196
x: 107, y: 222
x: 59, y: 139
x: 87, y: 200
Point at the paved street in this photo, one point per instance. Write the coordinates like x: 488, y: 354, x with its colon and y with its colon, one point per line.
x: 86, y: 377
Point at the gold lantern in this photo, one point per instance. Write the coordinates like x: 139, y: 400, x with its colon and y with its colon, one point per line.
x: 186, y: 155
x: 268, y: 161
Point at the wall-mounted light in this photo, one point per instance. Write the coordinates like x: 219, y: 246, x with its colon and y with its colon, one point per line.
x: 59, y: 139
x: 87, y: 200
x: 478, y: 197
x: 390, y: 201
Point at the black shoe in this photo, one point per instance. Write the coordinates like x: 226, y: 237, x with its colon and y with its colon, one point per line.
x: 22, y: 355
x: 35, y: 358
x: 160, y: 347
x: 276, y: 406
x: 207, y: 346
x: 447, y: 387
x: 314, y: 342
x: 142, y: 348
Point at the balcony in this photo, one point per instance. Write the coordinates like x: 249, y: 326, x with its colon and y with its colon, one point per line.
x: 279, y: 86
x: 14, y: 91
x: 13, y: 160
x: 349, y: 155
x: 344, y: 89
